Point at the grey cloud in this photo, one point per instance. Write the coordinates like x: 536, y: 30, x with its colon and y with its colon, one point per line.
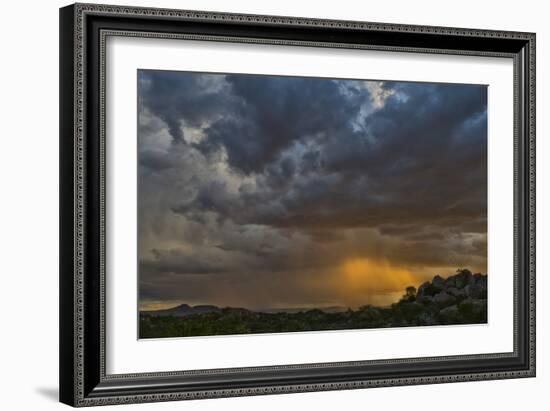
x: 411, y: 162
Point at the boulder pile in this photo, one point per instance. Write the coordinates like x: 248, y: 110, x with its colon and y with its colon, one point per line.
x: 458, y: 299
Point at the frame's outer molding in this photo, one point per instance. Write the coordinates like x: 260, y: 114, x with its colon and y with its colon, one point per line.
x: 83, y: 381
x: 67, y: 347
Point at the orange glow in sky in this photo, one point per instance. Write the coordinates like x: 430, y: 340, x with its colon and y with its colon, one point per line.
x: 370, y: 278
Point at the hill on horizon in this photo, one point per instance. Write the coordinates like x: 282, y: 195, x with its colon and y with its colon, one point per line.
x: 183, y: 310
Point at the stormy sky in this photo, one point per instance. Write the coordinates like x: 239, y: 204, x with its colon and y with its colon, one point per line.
x: 274, y: 192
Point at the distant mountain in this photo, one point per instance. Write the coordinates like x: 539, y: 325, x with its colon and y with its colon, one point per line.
x: 183, y: 310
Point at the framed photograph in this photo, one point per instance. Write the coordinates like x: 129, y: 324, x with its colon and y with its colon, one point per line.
x: 261, y: 204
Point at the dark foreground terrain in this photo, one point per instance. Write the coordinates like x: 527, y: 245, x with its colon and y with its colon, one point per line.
x: 459, y: 299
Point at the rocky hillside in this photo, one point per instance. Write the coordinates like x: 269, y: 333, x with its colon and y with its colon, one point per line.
x: 461, y: 298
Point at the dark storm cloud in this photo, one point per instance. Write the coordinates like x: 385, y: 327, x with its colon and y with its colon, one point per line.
x: 181, y: 100
x: 275, y: 112
x: 426, y: 145
x: 289, y: 174
x: 413, y: 131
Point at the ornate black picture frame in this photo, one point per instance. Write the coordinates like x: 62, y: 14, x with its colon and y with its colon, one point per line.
x: 83, y: 32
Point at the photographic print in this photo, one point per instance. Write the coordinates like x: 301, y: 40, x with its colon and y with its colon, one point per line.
x: 271, y: 204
